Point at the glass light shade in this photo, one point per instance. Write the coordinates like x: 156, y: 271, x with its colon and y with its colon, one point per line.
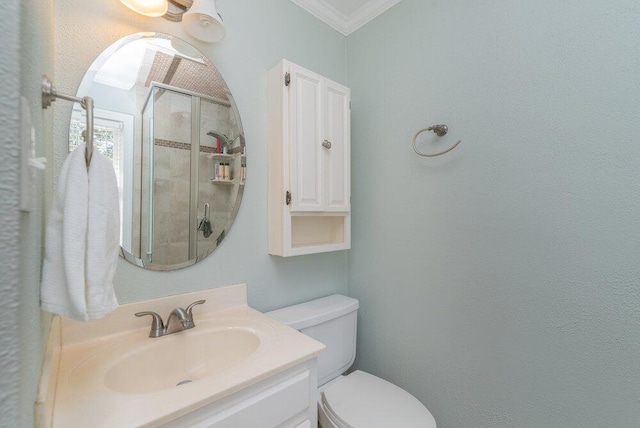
x: 203, y: 22
x: 153, y: 8
x: 185, y: 49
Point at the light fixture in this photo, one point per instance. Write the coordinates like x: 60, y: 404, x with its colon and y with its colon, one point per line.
x: 147, y: 7
x: 203, y: 22
x: 199, y: 17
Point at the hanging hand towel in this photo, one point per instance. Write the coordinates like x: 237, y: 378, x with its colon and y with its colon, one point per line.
x: 103, y: 237
x: 82, y: 240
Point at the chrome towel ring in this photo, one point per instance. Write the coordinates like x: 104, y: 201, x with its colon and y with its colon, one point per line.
x: 440, y: 130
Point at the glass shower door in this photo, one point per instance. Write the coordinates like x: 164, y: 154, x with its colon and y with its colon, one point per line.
x: 166, y: 221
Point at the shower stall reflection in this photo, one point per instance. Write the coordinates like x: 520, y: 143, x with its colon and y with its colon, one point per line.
x: 184, y: 134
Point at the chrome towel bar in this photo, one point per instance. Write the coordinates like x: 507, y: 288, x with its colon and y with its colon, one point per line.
x: 439, y: 130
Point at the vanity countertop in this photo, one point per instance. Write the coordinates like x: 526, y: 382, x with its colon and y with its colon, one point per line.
x: 95, y: 384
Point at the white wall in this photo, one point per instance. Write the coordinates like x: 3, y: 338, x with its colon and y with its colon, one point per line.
x: 259, y: 35
x: 499, y: 283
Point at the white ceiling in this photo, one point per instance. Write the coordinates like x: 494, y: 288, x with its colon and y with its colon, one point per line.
x: 346, y: 16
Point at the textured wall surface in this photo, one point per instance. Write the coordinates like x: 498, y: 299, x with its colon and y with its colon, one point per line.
x: 36, y: 59
x: 500, y: 283
x: 27, y: 54
x: 9, y: 203
x: 259, y: 34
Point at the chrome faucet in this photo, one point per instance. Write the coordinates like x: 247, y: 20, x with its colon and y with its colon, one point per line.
x: 179, y: 319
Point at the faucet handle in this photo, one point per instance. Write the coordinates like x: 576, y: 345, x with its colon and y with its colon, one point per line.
x: 157, y: 326
x: 190, y: 309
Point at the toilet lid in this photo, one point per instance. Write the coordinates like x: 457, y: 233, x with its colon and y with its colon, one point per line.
x: 361, y: 400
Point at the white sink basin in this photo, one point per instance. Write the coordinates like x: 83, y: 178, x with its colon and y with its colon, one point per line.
x: 181, y: 358
x: 139, y: 365
x: 168, y: 361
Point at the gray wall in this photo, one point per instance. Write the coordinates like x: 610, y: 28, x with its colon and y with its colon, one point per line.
x: 259, y: 35
x: 9, y: 203
x: 27, y: 54
x: 499, y: 283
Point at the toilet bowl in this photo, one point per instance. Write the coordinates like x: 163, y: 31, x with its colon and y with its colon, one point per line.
x: 359, y: 399
x: 363, y: 400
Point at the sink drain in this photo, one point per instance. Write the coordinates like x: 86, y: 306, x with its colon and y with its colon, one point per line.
x: 184, y: 382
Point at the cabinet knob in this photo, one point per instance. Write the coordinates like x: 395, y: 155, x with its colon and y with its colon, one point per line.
x: 326, y: 144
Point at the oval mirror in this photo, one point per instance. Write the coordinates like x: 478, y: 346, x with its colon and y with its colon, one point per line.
x: 165, y: 116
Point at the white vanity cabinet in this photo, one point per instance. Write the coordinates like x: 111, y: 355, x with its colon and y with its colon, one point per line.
x: 286, y: 400
x: 238, y: 368
x: 309, y: 162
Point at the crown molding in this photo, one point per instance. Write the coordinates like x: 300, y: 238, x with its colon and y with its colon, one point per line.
x: 341, y: 22
x: 325, y: 12
x: 368, y: 12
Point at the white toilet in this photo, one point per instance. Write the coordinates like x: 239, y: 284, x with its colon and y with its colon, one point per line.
x: 358, y: 400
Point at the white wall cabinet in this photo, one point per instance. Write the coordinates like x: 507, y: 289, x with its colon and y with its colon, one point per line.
x: 309, y: 162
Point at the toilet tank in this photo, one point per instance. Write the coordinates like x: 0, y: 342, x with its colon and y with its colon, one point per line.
x: 331, y: 320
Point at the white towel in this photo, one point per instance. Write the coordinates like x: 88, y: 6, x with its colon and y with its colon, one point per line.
x: 82, y: 240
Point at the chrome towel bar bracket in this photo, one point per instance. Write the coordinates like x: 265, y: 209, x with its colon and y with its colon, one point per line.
x: 440, y: 131
x: 49, y: 95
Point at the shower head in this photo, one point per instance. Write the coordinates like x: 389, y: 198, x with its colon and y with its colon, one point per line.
x: 223, y: 138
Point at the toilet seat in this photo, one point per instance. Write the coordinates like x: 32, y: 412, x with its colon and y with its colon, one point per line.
x: 361, y: 400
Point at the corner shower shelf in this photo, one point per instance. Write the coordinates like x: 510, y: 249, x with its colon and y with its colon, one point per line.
x: 226, y: 182
x: 225, y: 156
x: 221, y: 156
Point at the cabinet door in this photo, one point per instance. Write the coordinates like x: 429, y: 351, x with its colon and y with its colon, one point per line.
x: 337, y: 147
x: 307, y: 161
x: 284, y: 400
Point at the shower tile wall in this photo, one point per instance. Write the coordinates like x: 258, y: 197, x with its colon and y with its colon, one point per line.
x: 172, y: 167
x: 171, y: 202
x: 214, y: 117
x: 171, y: 171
